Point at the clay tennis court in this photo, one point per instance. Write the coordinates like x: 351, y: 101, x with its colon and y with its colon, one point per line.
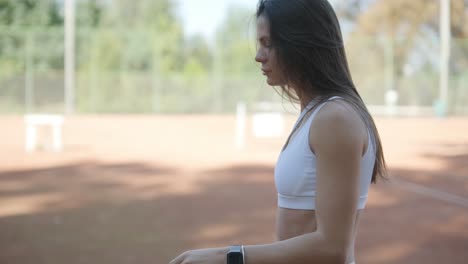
x: 142, y: 189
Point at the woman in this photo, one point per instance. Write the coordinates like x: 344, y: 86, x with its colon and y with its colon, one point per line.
x: 333, y: 153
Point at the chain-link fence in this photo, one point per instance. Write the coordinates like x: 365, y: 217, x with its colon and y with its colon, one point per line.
x: 32, y: 75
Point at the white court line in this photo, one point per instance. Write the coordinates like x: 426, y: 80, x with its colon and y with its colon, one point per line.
x: 434, y: 193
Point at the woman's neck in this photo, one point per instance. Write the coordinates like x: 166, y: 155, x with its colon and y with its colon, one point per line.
x: 304, y: 98
x: 306, y: 101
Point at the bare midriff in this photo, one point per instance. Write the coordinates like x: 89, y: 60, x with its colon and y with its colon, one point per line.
x: 292, y: 222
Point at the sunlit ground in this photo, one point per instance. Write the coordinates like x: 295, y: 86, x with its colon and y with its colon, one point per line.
x: 141, y: 189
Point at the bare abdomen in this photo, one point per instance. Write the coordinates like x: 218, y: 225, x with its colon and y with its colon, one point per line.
x: 291, y: 223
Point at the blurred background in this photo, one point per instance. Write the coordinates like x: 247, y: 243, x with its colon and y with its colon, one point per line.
x: 135, y: 130
x: 197, y: 56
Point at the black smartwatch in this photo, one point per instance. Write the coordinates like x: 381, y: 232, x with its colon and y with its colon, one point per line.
x: 235, y: 255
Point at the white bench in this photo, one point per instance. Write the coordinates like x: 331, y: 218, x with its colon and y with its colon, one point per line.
x: 34, y: 121
x: 267, y: 125
x: 267, y: 120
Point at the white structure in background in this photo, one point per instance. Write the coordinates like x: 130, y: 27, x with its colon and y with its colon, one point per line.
x: 445, y: 39
x: 267, y: 121
x: 391, y: 100
x: 69, y: 56
x: 241, y: 117
x: 36, y: 121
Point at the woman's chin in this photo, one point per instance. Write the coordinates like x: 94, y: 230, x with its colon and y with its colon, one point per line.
x: 271, y: 82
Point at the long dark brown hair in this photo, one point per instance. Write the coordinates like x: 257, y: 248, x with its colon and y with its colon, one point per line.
x: 306, y: 36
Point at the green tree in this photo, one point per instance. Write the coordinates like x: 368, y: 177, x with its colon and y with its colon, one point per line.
x: 404, y: 22
x: 130, y: 22
x: 31, y: 44
x: 89, y: 13
x: 197, y: 55
x: 29, y: 13
x: 235, y: 42
x: 409, y: 30
x: 131, y: 50
x: 234, y: 66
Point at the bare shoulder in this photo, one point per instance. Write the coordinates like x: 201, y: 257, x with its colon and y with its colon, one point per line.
x: 337, y: 124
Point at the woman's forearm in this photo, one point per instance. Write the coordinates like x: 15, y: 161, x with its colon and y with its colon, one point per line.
x: 308, y: 248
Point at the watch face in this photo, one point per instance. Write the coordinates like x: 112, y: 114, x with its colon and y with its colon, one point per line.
x: 234, y: 258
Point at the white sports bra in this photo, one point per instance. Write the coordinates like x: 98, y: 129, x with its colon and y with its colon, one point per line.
x: 295, y: 170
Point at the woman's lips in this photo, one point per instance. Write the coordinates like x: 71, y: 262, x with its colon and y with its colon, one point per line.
x: 265, y: 72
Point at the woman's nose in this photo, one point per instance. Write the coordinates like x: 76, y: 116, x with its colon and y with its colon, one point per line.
x: 260, y: 56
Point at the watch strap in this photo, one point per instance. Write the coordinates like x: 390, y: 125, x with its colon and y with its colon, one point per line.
x: 239, y: 249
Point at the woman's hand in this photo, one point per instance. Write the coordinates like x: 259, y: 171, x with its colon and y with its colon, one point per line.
x: 202, y: 256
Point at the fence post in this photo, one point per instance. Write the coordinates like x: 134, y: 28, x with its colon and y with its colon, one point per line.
x: 29, y: 71
x: 241, y: 116
x: 69, y: 56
